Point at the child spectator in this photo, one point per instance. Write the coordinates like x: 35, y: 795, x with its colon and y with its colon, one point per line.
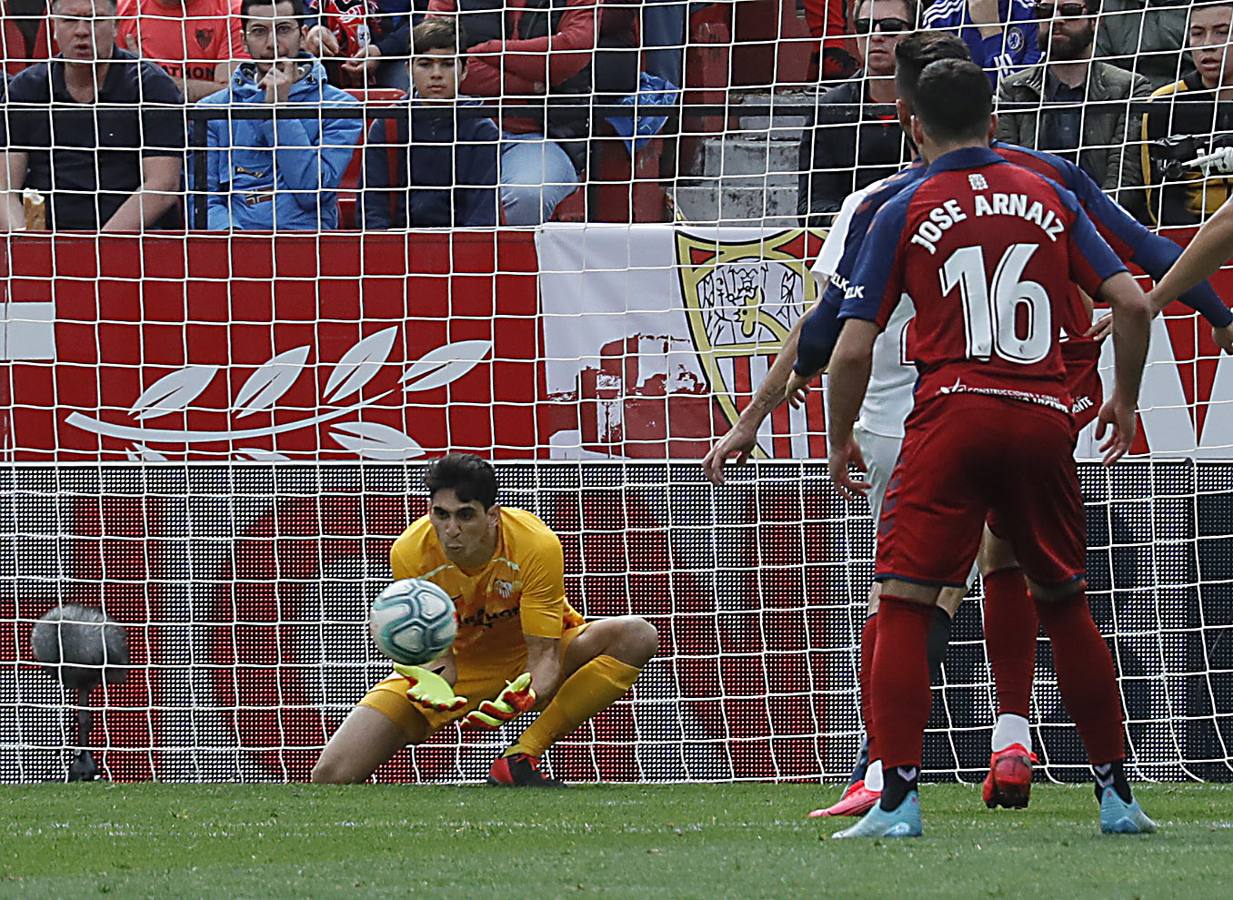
x: 437, y: 168
x: 568, y: 50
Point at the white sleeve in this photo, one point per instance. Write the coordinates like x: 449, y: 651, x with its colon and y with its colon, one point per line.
x: 836, y: 237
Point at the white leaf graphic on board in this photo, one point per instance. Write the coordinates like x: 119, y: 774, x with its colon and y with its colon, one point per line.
x: 271, y: 381
x: 142, y: 453
x: 173, y: 392
x: 372, y: 440
x: 258, y: 455
x: 359, y: 365
x: 444, y: 364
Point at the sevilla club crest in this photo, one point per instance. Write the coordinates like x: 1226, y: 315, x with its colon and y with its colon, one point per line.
x: 742, y: 299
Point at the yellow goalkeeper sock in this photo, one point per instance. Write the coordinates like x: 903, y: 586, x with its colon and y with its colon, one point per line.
x: 595, y: 686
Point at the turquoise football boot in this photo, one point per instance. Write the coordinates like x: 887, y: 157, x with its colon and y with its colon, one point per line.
x: 1119, y: 817
x: 903, y: 821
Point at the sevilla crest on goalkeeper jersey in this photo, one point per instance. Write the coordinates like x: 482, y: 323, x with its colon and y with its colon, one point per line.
x: 988, y: 252
x: 520, y: 591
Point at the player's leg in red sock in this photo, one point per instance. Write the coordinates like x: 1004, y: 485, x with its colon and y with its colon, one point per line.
x: 1011, y: 625
x: 1010, y: 638
x: 1086, y: 679
x: 901, y: 695
x: 869, y: 638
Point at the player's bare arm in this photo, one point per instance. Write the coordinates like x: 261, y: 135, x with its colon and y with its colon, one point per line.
x: 1208, y: 250
x: 849, y: 377
x: 1132, y: 322
x: 544, y: 666
x: 739, y: 442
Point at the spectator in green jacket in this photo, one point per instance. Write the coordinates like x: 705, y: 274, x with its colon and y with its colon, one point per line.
x: 1072, y: 105
x: 1146, y: 37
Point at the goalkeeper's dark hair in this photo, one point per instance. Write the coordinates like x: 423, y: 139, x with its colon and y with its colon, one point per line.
x: 468, y: 476
x: 919, y: 50
x: 953, y: 101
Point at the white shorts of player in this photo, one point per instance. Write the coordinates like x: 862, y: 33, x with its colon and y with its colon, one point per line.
x: 881, y: 453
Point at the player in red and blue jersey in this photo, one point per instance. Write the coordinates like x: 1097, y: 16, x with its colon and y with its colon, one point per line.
x: 990, y: 255
x: 1010, y: 632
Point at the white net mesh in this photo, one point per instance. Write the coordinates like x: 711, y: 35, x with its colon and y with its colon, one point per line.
x: 215, y: 437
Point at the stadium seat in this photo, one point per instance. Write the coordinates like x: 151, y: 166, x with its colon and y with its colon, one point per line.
x: 746, y: 45
x: 353, y: 177
x: 771, y: 44
x: 616, y: 190
x: 15, y: 50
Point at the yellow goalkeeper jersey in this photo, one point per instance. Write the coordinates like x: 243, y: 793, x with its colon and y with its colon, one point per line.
x: 520, y: 592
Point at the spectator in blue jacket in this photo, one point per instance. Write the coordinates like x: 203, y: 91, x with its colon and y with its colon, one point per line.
x: 1000, y: 33
x: 278, y: 173
x: 440, y: 167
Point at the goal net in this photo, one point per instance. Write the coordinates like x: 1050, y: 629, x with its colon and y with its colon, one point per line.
x: 214, y: 437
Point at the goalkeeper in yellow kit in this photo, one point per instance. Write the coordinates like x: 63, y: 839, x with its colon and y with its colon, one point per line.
x: 520, y: 645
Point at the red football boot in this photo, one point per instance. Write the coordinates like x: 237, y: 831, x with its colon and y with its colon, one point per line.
x: 1009, y: 782
x: 520, y: 770
x: 856, y: 801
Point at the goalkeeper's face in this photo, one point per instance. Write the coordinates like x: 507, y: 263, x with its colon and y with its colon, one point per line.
x: 467, y: 531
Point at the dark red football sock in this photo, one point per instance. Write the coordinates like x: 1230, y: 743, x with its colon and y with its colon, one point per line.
x: 869, y: 637
x: 900, y: 682
x: 1085, y: 676
x: 1011, y: 625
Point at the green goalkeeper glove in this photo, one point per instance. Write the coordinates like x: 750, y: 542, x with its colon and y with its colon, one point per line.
x: 429, y: 691
x: 516, y: 698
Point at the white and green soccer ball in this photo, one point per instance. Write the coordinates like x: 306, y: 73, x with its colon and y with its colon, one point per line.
x: 412, y: 622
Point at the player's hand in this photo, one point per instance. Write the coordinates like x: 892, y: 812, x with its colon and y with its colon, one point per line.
x: 797, y: 389
x: 1118, y: 419
x: 1224, y: 338
x: 516, y: 699
x: 1102, y: 329
x: 739, y: 442
x: 429, y: 691
x: 839, y: 460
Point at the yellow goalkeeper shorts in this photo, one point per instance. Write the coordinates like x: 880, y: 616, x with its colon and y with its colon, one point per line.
x: 475, y: 682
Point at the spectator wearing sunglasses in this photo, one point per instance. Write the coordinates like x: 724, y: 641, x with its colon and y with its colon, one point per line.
x: 853, y: 138
x: 1191, y: 120
x: 1000, y: 33
x: 1072, y: 105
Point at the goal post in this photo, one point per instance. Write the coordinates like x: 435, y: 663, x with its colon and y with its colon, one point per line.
x: 225, y: 480
x: 212, y: 435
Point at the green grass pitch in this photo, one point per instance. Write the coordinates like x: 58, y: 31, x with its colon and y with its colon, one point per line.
x: 708, y: 841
